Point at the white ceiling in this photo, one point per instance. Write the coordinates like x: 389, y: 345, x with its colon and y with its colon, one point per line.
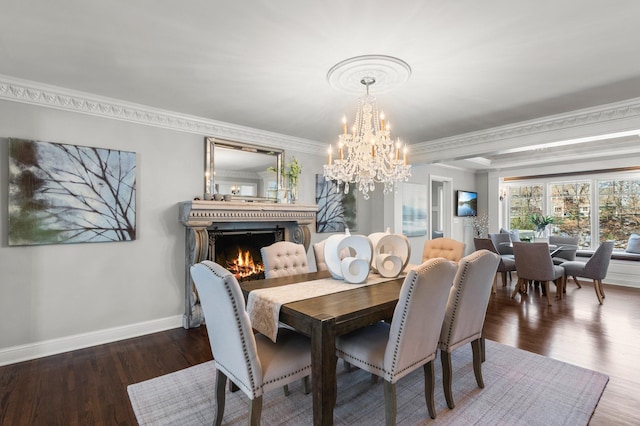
x: 474, y: 64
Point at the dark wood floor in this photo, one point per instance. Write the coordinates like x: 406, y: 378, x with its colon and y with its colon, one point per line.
x: 87, y: 387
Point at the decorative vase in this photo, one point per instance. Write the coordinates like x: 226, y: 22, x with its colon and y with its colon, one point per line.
x: 293, y: 194
x: 541, y: 232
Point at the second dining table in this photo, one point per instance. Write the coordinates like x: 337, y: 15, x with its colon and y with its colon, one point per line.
x: 324, y: 317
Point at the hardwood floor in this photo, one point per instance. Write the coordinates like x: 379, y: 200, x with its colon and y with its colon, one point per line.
x: 88, y: 386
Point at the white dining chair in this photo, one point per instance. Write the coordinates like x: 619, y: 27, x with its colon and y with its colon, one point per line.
x: 284, y: 258
x: 254, y: 363
x: 464, y: 317
x: 410, y: 341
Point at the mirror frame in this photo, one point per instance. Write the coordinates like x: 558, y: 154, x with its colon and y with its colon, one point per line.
x: 209, y: 156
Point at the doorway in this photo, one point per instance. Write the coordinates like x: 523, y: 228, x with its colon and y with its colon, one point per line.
x: 441, y: 202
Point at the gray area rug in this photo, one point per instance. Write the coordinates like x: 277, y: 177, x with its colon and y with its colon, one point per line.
x: 521, y: 388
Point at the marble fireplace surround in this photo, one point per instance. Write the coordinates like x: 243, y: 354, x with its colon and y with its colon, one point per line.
x: 204, y: 217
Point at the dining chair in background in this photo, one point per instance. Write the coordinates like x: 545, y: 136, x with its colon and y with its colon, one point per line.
x: 506, y: 265
x: 254, y: 363
x: 410, y: 341
x: 565, y: 254
x: 443, y: 247
x: 284, y: 258
x: 595, y: 268
x: 466, y: 310
x: 318, y: 253
x: 502, y: 241
x: 533, y: 263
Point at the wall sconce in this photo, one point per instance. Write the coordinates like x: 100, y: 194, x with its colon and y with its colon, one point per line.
x: 503, y: 194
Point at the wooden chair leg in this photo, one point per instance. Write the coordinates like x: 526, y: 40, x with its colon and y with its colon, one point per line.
x: 483, y: 349
x: 255, y: 411
x: 476, y: 348
x: 429, y: 388
x: 596, y: 286
x: 546, y: 289
x: 504, y: 279
x: 517, y: 288
x: 221, y: 380
x: 347, y: 366
x: 390, y: 403
x: 495, y: 284
x: 306, y: 385
x: 575, y: 279
x: 601, y: 288
x: 285, y: 388
x: 445, y: 359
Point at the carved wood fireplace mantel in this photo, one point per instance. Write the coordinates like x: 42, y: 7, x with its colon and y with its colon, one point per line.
x: 205, y: 219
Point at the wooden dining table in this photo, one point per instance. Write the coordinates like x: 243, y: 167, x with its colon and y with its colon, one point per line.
x: 323, y: 318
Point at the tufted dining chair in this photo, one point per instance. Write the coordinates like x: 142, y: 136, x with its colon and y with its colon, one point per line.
x: 393, y: 350
x: 318, y: 252
x: 284, y: 258
x: 506, y: 265
x: 533, y: 263
x: 443, y: 247
x: 595, y: 268
x: 466, y: 310
x: 254, y: 363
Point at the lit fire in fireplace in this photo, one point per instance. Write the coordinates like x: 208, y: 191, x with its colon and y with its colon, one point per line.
x: 243, y: 266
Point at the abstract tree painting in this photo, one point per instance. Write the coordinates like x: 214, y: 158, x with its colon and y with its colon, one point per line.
x: 62, y: 193
x: 336, y: 210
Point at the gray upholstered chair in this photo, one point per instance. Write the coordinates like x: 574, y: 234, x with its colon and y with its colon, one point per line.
x: 443, y: 247
x: 502, y: 241
x: 391, y: 351
x: 284, y: 258
x: 595, y: 268
x: 255, y: 364
x: 506, y: 265
x: 466, y: 309
x: 533, y: 263
x: 567, y: 254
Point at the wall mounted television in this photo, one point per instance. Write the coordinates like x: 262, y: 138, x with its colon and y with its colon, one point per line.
x: 466, y: 203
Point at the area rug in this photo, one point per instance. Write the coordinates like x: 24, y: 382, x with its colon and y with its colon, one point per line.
x: 521, y: 388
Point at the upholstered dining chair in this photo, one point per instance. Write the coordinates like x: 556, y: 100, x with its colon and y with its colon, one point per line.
x: 318, y: 253
x: 566, y: 254
x: 466, y: 310
x: 410, y: 341
x: 502, y: 241
x: 443, y: 247
x: 253, y: 362
x: 533, y: 263
x: 284, y: 258
x: 506, y: 265
x: 595, y: 268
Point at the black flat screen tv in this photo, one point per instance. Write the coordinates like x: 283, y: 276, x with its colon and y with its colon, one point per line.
x: 466, y: 203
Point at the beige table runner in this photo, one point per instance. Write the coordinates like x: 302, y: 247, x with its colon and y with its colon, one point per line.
x: 263, y: 305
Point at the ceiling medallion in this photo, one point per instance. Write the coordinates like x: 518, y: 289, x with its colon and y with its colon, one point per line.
x: 387, y: 71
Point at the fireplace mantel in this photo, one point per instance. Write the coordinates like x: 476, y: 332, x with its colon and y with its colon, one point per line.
x: 205, y: 213
x: 204, y: 217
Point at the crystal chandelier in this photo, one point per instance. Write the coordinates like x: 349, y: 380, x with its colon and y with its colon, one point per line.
x: 368, y: 155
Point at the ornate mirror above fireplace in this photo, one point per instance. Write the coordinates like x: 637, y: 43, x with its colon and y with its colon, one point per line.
x: 241, y: 170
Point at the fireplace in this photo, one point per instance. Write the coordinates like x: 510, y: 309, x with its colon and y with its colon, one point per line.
x: 231, y: 234
x: 239, y: 251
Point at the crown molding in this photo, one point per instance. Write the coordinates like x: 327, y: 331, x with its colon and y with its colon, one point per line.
x: 599, y: 120
x: 29, y: 92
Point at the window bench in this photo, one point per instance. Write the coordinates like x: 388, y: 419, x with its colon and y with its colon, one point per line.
x: 618, y: 255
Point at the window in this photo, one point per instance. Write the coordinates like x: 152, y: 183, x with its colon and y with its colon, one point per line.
x: 606, y: 206
x: 571, y: 203
x: 619, y: 210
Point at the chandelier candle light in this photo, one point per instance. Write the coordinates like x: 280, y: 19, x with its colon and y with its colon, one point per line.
x: 368, y: 155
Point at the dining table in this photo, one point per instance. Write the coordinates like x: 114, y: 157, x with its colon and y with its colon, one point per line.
x: 323, y: 317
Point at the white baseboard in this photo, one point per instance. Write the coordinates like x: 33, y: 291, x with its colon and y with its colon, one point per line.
x: 21, y: 353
